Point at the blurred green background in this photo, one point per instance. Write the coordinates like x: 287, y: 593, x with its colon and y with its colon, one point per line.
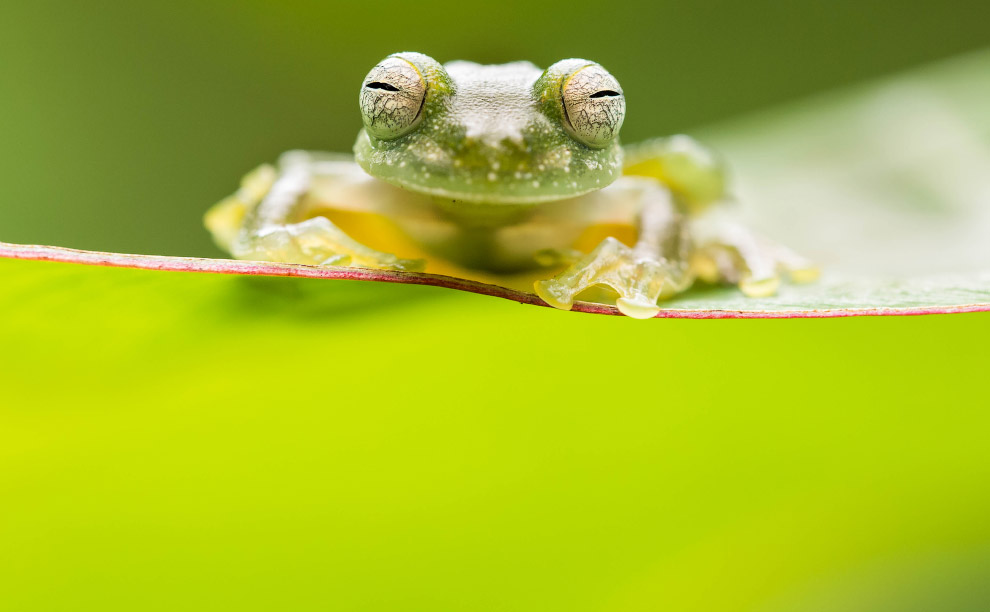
x: 122, y: 121
x: 194, y: 442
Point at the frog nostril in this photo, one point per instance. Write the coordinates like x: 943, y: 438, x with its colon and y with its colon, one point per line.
x: 380, y: 85
x: 605, y: 93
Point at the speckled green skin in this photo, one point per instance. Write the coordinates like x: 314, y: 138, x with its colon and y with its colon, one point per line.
x: 491, y: 135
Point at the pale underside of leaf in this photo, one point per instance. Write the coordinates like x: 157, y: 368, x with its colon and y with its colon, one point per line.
x: 828, y: 298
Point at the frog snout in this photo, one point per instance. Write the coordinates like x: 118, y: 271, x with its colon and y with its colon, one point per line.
x: 495, y: 155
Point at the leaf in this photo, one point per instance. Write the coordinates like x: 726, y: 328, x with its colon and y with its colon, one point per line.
x: 826, y: 299
x: 217, y: 441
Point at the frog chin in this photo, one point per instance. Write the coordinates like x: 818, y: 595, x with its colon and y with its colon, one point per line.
x: 437, y: 175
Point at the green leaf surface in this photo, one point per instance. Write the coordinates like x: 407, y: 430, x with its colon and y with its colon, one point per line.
x: 173, y: 440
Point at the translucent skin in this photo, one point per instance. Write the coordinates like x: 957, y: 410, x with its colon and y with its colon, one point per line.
x: 503, y: 169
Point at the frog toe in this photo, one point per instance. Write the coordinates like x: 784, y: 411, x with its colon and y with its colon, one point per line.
x: 318, y: 242
x: 639, y: 281
x: 797, y: 268
x: 273, y: 244
x: 637, y: 307
x: 558, y: 294
x: 319, y: 238
x: 755, y: 265
x: 759, y: 287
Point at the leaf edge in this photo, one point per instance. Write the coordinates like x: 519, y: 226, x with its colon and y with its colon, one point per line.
x: 165, y: 263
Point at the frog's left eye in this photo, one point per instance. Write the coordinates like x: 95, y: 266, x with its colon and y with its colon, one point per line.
x: 594, y: 106
x: 392, y: 97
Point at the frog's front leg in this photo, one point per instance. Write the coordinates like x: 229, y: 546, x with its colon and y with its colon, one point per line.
x: 269, y: 219
x: 725, y: 250
x: 657, y: 265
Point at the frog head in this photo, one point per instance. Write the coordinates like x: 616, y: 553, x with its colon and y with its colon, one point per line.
x: 499, y: 134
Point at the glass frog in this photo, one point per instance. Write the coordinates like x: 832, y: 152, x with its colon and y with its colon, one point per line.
x: 501, y: 169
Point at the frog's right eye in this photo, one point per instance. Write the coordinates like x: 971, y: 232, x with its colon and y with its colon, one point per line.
x: 392, y: 98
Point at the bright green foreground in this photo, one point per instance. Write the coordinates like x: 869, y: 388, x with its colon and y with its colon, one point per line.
x: 176, y: 441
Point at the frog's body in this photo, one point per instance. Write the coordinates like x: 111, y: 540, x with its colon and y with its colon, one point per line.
x: 502, y: 169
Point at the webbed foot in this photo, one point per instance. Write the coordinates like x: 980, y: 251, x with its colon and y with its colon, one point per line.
x: 756, y: 264
x: 317, y: 241
x: 639, y: 279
